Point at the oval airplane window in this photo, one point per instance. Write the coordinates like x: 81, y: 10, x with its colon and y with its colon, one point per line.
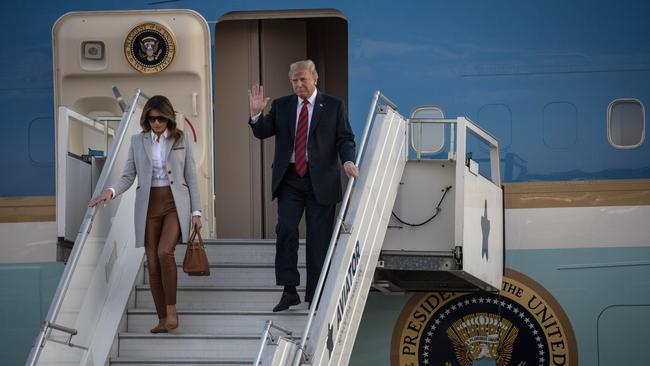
x: 427, y: 137
x: 625, y: 123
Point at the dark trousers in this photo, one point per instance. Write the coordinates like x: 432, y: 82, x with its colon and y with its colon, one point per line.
x: 160, y: 237
x: 295, y: 195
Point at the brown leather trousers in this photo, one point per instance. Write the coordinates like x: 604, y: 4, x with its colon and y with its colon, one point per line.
x: 162, y: 232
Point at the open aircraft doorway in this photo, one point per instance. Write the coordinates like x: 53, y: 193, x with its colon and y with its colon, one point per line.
x: 257, y: 47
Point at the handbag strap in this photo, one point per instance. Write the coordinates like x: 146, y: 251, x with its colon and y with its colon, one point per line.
x: 193, y: 236
x: 198, y: 233
x: 190, y: 242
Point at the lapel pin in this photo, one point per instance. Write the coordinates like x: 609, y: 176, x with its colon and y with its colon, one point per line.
x: 321, y: 105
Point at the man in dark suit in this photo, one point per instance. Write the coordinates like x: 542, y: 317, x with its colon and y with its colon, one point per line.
x: 312, y: 133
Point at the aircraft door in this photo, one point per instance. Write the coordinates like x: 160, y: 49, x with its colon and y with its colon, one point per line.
x: 255, y: 48
x: 249, y: 52
x: 160, y: 52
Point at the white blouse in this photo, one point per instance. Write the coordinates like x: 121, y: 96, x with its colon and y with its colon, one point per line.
x: 158, y: 159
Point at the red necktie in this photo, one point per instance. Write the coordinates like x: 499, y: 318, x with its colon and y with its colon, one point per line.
x: 300, y: 144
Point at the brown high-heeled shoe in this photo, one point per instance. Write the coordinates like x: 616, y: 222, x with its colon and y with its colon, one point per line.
x: 159, y: 328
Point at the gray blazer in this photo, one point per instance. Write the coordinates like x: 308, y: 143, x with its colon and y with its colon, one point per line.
x: 181, y: 172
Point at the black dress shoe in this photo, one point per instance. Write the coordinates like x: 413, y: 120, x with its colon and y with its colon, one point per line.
x: 287, y: 300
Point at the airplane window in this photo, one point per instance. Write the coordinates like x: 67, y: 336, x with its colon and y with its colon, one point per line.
x: 427, y: 138
x: 626, y: 123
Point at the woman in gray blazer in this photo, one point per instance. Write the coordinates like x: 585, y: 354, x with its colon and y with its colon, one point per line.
x: 167, y: 198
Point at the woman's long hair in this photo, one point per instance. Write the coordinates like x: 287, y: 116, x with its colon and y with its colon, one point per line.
x: 164, y: 106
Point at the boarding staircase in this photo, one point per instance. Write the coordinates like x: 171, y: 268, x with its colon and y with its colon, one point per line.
x: 103, y: 309
x: 220, y: 316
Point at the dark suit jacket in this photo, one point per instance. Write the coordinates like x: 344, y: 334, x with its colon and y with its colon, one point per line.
x: 330, y: 139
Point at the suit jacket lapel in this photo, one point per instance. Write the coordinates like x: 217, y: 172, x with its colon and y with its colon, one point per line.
x: 146, y: 141
x: 316, y: 113
x: 293, y: 105
x: 168, y: 147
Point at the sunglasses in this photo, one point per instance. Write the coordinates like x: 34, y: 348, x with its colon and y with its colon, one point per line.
x: 161, y: 119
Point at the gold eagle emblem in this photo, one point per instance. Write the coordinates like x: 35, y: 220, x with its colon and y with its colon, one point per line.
x: 482, y: 336
x: 150, y: 47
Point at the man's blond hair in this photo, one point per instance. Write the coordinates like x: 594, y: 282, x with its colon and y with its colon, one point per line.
x: 303, y: 65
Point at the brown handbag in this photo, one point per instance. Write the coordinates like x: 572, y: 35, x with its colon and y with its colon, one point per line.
x: 195, y: 262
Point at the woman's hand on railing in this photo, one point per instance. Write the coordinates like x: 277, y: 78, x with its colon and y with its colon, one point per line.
x: 351, y: 169
x: 104, y: 197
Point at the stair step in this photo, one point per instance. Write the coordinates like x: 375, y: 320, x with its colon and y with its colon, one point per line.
x: 147, y: 345
x: 221, y: 316
x: 241, y: 251
x: 219, y: 322
x: 220, y: 298
x: 180, y: 362
x: 249, y: 274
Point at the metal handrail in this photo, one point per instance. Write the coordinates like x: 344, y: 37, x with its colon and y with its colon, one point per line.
x: 339, y: 222
x: 476, y: 128
x: 268, y: 335
x: 80, y: 240
x: 432, y: 121
x: 70, y: 331
x: 466, y: 125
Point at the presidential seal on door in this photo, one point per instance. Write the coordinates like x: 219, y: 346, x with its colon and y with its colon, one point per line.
x: 150, y: 47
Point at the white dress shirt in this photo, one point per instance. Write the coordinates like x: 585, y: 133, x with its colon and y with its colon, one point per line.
x: 158, y: 159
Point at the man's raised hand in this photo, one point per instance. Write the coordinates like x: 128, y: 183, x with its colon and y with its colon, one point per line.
x: 256, y: 99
